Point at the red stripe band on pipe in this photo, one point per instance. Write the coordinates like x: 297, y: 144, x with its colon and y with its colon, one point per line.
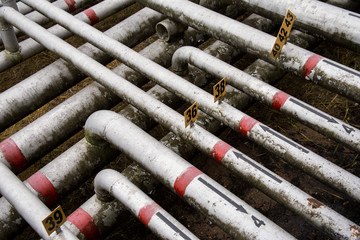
x: 147, y: 212
x: 91, y: 15
x: 13, y: 155
x: 185, y: 179
x: 85, y: 223
x: 219, y: 150
x: 279, y: 99
x: 310, y: 64
x: 40, y: 183
x: 246, y: 124
x: 71, y: 4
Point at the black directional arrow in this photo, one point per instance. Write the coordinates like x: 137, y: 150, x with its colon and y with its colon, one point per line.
x: 349, y: 70
x: 266, y: 129
x: 310, y: 109
x: 170, y: 224
x: 237, y: 206
x: 258, y: 167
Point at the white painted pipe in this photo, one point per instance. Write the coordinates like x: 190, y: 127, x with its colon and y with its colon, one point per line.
x: 322, y: 71
x: 167, y: 29
x: 7, y: 33
x: 36, y: 90
x: 263, y: 92
x: 67, y: 5
x: 275, y: 142
x: 316, y: 17
x: 160, y: 112
x: 228, y: 211
x: 92, y: 208
x: 24, y: 9
x: 110, y: 184
x: 77, y: 164
x: 92, y: 15
x: 26, y: 203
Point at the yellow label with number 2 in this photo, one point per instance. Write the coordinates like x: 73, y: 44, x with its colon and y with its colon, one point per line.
x: 54, y: 220
x: 283, y: 34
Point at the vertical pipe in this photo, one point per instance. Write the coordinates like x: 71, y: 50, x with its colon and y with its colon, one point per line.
x: 7, y: 31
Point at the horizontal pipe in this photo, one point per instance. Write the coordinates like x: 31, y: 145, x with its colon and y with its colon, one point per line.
x: 199, y: 190
x: 275, y: 142
x: 80, y: 161
x: 34, y: 91
x: 263, y: 92
x: 92, y: 15
x: 25, y: 203
x: 112, y: 184
x: 329, y: 74
x: 312, y: 16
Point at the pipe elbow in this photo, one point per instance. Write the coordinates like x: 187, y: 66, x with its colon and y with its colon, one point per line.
x: 180, y: 60
x: 103, y: 184
x: 95, y: 126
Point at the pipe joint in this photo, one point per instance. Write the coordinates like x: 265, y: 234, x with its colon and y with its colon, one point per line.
x: 103, y: 184
x: 180, y: 60
x: 167, y: 29
x: 10, y: 3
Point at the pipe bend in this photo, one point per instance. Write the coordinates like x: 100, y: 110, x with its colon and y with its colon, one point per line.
x: 181, y: 58
x: 103, y: 183
x: 95, y: 126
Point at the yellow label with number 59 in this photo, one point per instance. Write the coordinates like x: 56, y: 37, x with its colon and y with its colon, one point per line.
x: 54, y: 220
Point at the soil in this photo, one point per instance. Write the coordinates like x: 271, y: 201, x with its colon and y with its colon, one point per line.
x: 323, y: 99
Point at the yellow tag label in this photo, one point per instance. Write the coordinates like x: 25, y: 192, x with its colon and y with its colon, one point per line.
x: 191, y: 114
x: 283, y: 34
x: 219, y: 89
x: 54, y: 220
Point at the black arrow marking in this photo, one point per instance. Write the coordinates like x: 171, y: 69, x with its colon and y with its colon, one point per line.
x: 241, y: 156
x: 237, y: 206
x: 353, y: 15
x: 310, y: 109
x: 349, y: 70
x: 278, y: 135
x: 170, y: 224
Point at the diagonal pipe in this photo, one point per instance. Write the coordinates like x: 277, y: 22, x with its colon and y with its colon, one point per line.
x: 325, y: 72
x: 263, y: 92
x: 200, y: 191
x: 161, y: 113
x: 275, y: 142
x: 109, y: 184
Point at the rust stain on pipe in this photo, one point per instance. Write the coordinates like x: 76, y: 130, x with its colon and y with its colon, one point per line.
x: 314, y: 203
x: 356, y: 231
